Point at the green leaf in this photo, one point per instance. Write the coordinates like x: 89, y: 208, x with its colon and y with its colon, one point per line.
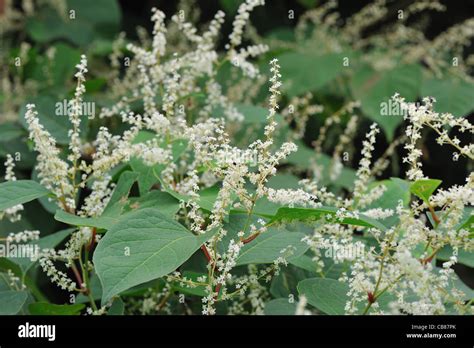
x: 45, y: 308
x: 11, y: 302
x: 458, y: 284
x: 327, y: 295
x: 144, y: 245
x: 285, y: 283
x: 375, y: 88
x: 18, y: 192
x: 99, y: 13
x: 166, y: 203
x: 65, y: 60
x: 424, y: 188
x: 148, y: 174
x: 452, y: 95
x: 329, y: 213
x: 93, y: 19
x: 206, y: 200
x: 167, y: 206
x: 396, y: 190
x: 230, y: 6
x: 10, y: 131
x: 103, y: 222
x: 120, y: 194
x: 464, y: 257
x: 300, y: 74
x: 284, y: 181
x: 117, y: 307
x: 47, y: 26
x: 280, y: 306
x: 256, y: 114
x: 301, y: 158
x: 468, y: 225
x: 304, y: 262
x: 267, y: 247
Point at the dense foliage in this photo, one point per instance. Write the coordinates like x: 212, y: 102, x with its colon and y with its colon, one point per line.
x: 184, y: 172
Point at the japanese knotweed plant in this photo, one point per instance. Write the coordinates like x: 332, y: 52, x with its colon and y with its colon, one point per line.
x: 171, y: 216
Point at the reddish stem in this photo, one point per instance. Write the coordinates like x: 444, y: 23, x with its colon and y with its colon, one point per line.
x: 433, y: 215
x: 78, y: 278
x: 251, y: 238
x: 218, y: 289
x: 370, y: 297
x: 92, y: 242
x: 206, y: 253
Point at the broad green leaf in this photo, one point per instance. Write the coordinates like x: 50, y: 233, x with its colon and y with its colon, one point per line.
x: 147, y: 177
x: 48, y: 26
x: 230, y: 6
x: 104, y: 15
x: 263, y: 207
x: 330, y: 270
x: 375, y: 88
x: 92, y: 19
x: 148, y: 174
x: 302, y: 158
x: 256, y: 114
x: 301, y: 74
x: 18, y: 192
x: 45, y: 308
x: 280, y: 306
x: 120, y: 194
x: 285, y: 283
x: 452, y: 95
x: 117, y: 307
x: 10, y: 131
x: 143, y: 246
x: 18, y: 145
x: 328, y: 213
x: 458, y: 284
x: 468, y: 225
x: 103, y: 222
x: 206, y: 200
x: 11, y: 302
x: 281, y: 33
x: 284, y: 181
x: 327, y: 295
x: 424, y: 188
x: 65, y: 60
x: 395, y: 190
x: 304, y: 262
x: 163, y: 201
x: 268, y: 246
x: 467, y: 221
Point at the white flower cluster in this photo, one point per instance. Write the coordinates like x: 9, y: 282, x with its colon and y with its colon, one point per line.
x: 12, y: 213
x: 243, y: 14
x: 24, y: 236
